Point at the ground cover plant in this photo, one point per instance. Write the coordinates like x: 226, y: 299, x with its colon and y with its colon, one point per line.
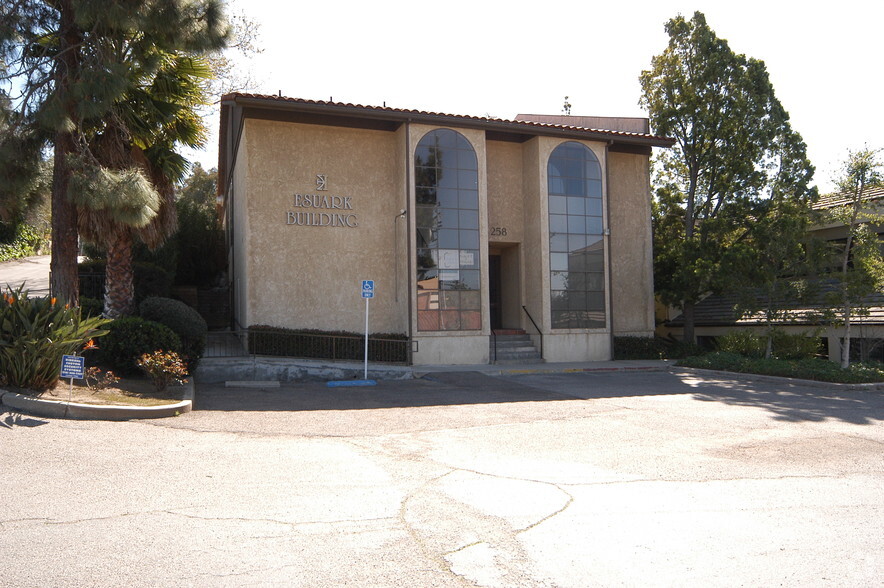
x: 817, y: 369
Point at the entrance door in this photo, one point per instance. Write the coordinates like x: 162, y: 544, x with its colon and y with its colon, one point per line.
x: 494, y: 292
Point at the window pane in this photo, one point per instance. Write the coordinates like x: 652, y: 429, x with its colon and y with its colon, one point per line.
x: 558, y: 262
x: 558, y: 205
x: 469, y: 219
x: 559, y: 242
x: 575, y: 226
x: 469, y: 239
x: 447, y: 235
x: 449, y: 218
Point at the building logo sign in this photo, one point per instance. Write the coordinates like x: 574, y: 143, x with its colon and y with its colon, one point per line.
x: 322, y: 210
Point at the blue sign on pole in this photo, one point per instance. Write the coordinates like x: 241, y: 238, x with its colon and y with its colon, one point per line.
x: 72, y: 366
x: 368, y: 288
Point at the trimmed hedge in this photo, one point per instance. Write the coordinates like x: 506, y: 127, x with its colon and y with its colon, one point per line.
x: 807, y: 369
x: 752, y: 344
x: 184, y: 320
x: 312, y: 343
x: 129, y: 337
x: 652, y: 348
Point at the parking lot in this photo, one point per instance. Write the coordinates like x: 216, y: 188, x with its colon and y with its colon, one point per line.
x: 461, y: 479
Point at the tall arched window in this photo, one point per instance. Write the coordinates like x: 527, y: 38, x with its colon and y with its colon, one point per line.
x: 576, y: 238
x: 447, y: 221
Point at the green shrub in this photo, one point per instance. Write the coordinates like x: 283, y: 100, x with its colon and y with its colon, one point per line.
x: 185, y: 321
x: 641, y: 348
x: 128, y: 338
x: 807, y: 369
x: 742, y: 342
x: 798, y: 346
x: 717, y: 360
x: 91, y: 306
x: 35, y: 333
x: 26, y: 240
x: 387, y: 347
x: 202, y: 252
x: 150, y: 280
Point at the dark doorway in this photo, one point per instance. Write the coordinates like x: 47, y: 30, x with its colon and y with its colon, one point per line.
x: 494, y: 294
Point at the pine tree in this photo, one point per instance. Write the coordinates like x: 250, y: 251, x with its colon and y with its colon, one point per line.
x: 734, y: 146
x: 72, y: 64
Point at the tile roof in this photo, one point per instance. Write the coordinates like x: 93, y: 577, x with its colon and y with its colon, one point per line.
x: 842, y: 198
x: 399, y: 112
x: 719, y: 310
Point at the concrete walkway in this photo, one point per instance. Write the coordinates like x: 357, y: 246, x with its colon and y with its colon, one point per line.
x: 32, y: 272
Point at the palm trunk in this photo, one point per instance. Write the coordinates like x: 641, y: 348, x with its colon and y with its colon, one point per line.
x: 119, y: 295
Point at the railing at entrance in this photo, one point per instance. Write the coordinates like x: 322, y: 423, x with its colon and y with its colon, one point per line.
x: 536, y: 327
x: 283, y: 343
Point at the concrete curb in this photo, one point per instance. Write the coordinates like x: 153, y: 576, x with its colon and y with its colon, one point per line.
x: 95, y: 412
x: 783, y: 380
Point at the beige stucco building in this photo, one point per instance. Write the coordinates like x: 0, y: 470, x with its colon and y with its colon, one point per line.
x: 465, y: 224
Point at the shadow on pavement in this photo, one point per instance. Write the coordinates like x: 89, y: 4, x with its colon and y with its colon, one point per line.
x: 8, y: 420
x: 454, y: 388
x: 787, y: 401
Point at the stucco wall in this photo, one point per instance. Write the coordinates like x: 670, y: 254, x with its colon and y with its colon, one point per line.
x: 309, y: 276
x: 241, y: 234
x: 632, y: 272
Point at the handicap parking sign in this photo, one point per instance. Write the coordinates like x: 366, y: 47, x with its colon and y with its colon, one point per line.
x: 368, y: 288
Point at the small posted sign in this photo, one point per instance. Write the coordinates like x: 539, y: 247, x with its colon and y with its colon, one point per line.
x: 368, y: 288
x: 73, y: 366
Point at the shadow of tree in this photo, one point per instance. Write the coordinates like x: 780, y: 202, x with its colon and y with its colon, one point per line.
x: 9, y: 419
x: 791, y: 401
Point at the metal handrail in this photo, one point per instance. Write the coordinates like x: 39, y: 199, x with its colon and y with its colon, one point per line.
x: 494, y: 342
x: 536, y: 327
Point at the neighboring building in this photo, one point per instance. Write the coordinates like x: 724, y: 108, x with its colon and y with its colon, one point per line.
x: 466, y: 224
x: 716, y: 314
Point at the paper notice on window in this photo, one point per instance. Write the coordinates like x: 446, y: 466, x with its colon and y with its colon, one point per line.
x: 467, y: 259
x: 449, y: 259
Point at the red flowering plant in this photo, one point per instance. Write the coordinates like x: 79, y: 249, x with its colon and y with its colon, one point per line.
x: 163, y: 368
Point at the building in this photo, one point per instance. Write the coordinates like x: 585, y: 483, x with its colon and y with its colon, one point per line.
x: 718, y: 314
x: 465, y: 224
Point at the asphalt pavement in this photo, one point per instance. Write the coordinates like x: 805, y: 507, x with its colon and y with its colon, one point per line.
x: 32, y: 272
x: 457, y: 479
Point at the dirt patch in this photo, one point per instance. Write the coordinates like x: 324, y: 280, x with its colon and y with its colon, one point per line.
x: 127, y: 392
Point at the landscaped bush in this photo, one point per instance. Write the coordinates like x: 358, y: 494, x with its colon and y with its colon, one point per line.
x: 150, y: 280
x: 264, y: 340
x: 797, y: 346
x: 743, y: 342
x: 26, y: 240
x: 185, y: 321
x: 129, y: 338
x: 91, y: 306
x: 35, y: 333
x: 807, y: 369
x: 653, y: 348
x: 641, y: 348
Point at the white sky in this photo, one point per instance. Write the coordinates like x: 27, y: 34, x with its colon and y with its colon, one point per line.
x: 477, y: 57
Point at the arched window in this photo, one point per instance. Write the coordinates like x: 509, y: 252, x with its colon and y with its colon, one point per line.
x: 576, y: 238
x: 447, y: 239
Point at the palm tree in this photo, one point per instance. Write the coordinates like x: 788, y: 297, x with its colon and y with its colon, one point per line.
x: 135, y: 152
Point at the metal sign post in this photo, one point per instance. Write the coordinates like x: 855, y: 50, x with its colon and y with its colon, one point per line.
x: 72, y: 366
x: 368, y: 294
